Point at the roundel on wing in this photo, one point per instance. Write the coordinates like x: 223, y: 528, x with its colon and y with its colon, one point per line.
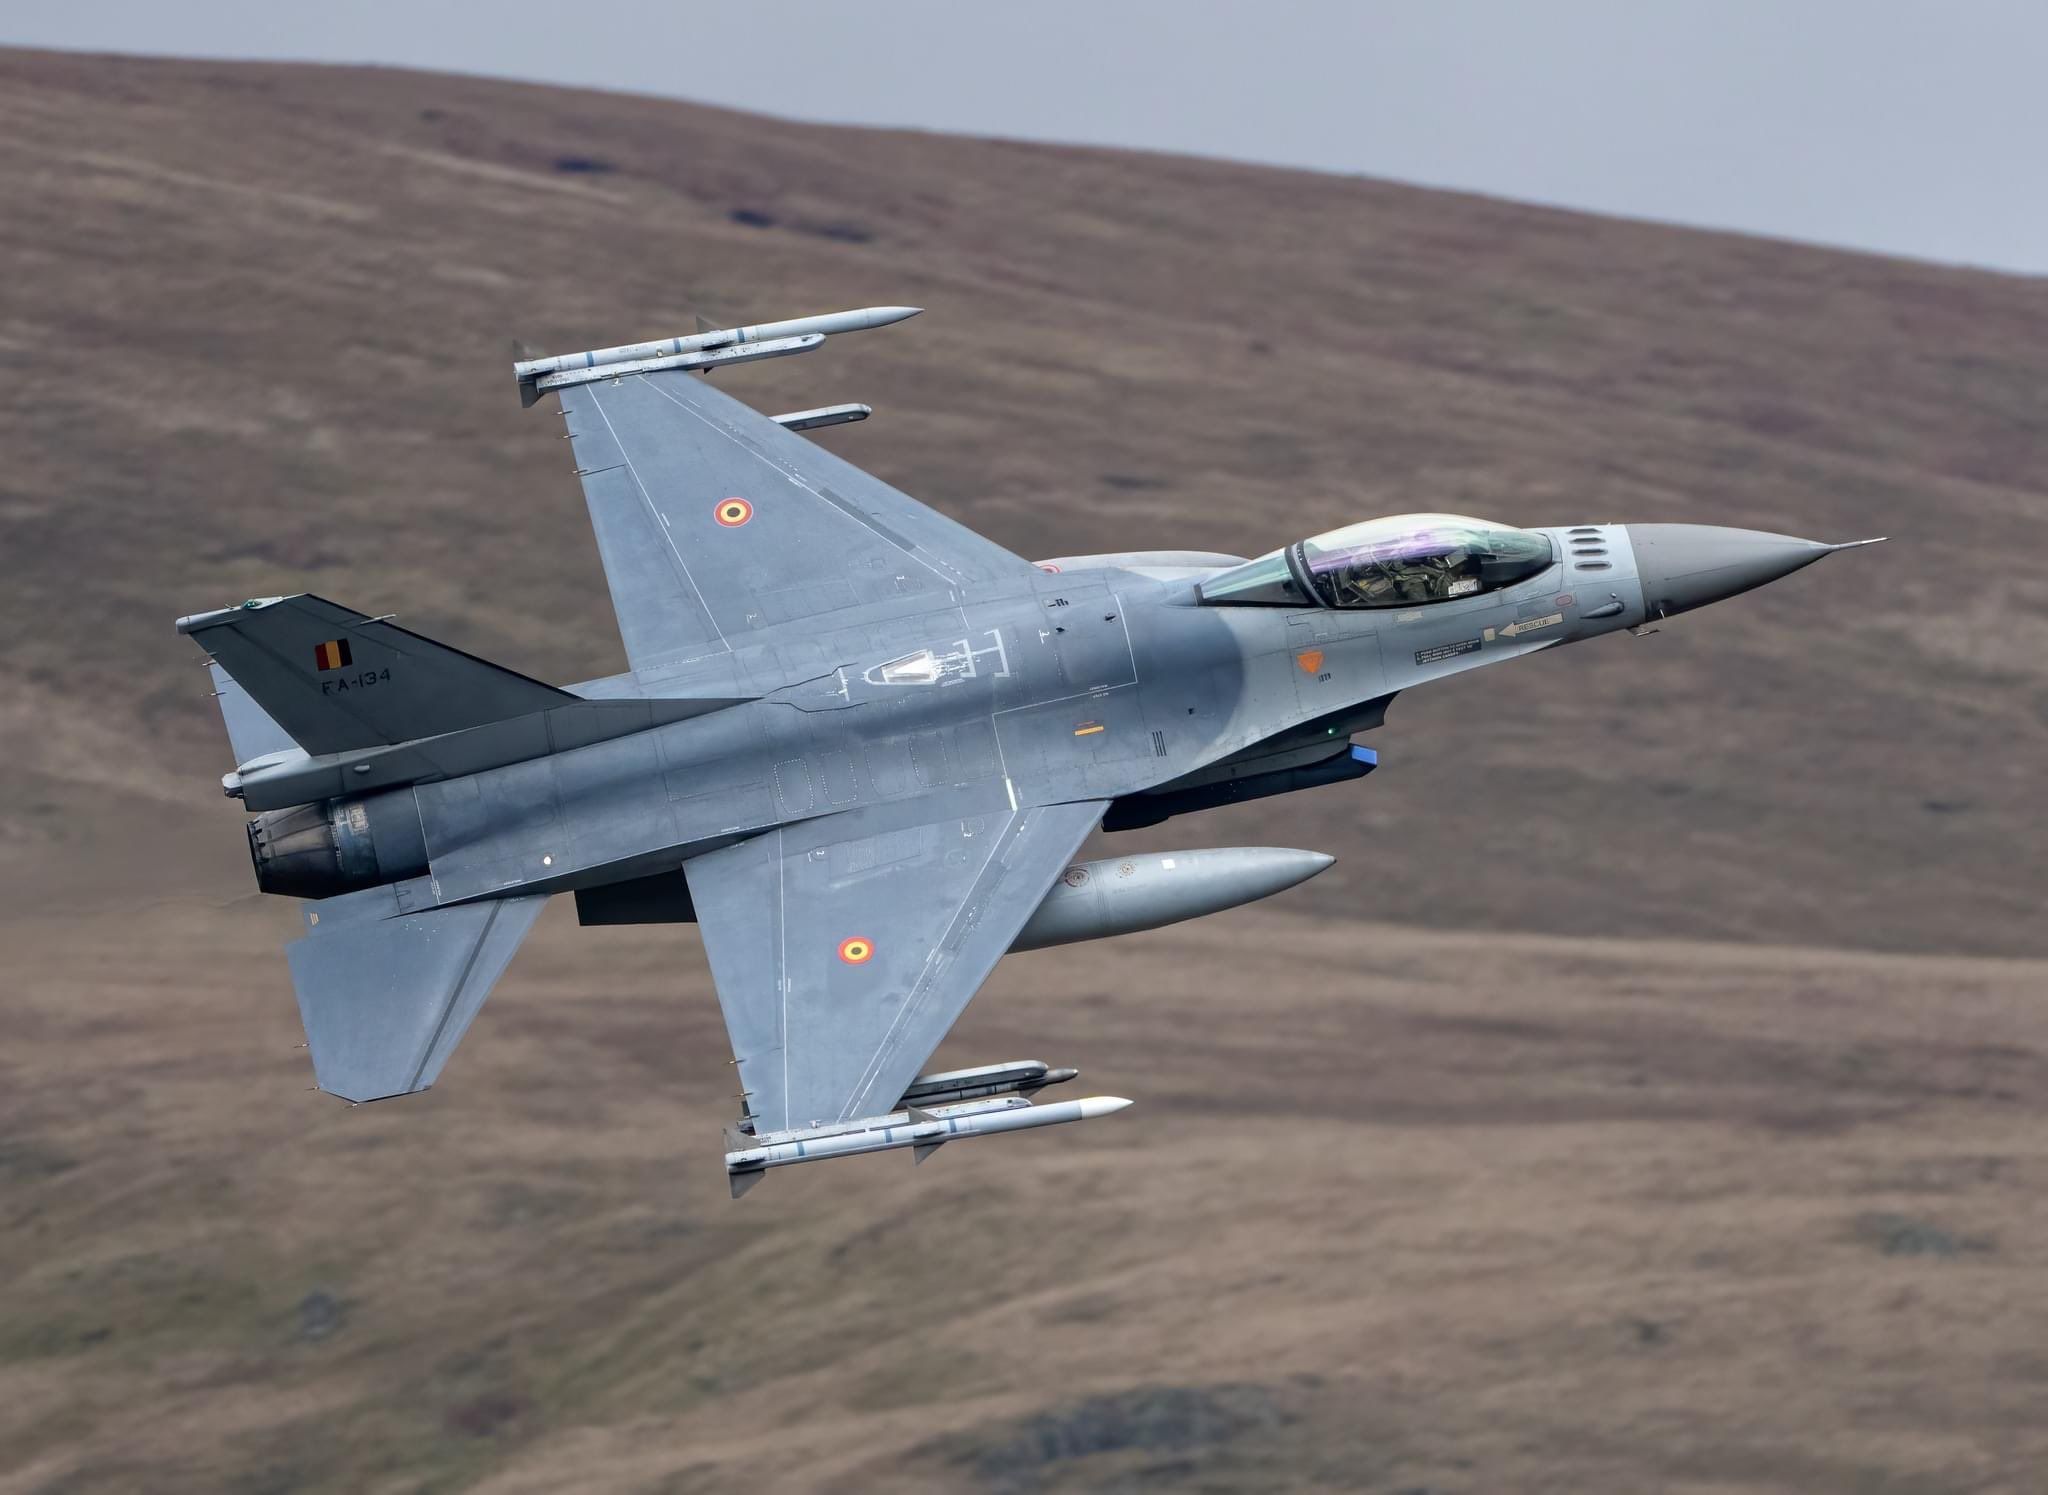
x: 733, y: 512
x: 856, y: 950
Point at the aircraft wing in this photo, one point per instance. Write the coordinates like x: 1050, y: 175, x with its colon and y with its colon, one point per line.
x: 845, y: 947
x: 713, y: 522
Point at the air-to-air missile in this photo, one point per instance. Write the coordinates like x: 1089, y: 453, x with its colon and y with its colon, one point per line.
x: 924, y: 1130
x: 702, y: 350
x: 1019, y: 1076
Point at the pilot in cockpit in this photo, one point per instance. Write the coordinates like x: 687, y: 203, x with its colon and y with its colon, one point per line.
x: 1401, y: 561
x: 1392, y: 581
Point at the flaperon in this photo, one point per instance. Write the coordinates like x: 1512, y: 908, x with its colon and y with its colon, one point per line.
x: 858, y: 744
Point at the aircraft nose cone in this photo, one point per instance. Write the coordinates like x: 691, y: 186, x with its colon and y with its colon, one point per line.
x: 1684, y: 566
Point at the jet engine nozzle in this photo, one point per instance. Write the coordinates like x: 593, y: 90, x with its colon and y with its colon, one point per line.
x: 337, y: 846
x: 1684, y: 566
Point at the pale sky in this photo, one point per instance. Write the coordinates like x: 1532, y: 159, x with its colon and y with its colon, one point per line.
x: 1893, y: 125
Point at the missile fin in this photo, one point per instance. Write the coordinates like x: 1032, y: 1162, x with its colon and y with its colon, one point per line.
x: 922, y: 1151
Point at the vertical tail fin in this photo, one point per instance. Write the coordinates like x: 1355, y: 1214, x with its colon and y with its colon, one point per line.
x: 336, y: 680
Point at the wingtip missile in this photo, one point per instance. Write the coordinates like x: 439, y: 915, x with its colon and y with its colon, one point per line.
x: 700, y: 350
x: 1101, y: 1105
x: 881, y: 316
x: 914, y: 1128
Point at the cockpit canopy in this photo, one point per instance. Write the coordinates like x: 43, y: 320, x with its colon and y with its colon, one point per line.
x: 1402, y: 561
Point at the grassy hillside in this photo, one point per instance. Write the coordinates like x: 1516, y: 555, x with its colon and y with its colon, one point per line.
x: 1655, y: 1096
x: 1595, y: 1214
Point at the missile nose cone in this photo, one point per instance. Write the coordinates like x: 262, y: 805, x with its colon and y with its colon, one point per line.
x: 1684, y: 566
x: 1101, y: 1105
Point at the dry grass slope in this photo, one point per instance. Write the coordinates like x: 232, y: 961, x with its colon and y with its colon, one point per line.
x: 1654, y: 1097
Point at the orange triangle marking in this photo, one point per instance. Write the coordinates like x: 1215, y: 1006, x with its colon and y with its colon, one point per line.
x: 1310, y: 660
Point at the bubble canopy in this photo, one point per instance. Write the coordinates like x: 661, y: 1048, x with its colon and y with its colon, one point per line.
x: 1402, y: 561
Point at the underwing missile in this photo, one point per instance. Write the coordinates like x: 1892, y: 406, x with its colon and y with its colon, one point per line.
x: 914, y: 1128
x: 1024, y: 1076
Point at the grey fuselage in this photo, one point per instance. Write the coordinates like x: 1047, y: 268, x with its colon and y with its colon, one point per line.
x: 1089, y: 683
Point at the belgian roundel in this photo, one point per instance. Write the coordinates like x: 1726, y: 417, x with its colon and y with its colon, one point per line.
x: 732, y: 512
x: 855, y: 950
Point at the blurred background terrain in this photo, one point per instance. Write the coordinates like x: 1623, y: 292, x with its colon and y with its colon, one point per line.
x: 1652, y: 1096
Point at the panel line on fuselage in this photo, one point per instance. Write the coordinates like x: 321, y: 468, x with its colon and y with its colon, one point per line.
x: 1094, y: 692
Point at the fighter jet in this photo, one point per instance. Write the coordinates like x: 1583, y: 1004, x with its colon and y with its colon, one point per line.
x: 858, y: 744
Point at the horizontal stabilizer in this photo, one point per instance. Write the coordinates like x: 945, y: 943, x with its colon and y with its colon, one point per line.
x: 385, y: 1001
x: 336, y: 680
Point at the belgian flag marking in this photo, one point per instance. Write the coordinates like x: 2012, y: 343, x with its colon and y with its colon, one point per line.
x: 332, y: 655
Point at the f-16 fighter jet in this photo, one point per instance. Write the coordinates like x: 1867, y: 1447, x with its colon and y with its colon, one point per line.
x: 859, y: 744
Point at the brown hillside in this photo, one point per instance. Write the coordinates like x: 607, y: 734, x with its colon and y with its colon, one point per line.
x: 1655, y: 1096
